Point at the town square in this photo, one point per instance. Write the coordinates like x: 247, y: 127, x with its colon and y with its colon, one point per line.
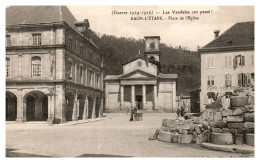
x: 111, y: 81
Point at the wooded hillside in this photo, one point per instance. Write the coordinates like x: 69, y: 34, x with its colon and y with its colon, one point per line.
x: 185, y: 63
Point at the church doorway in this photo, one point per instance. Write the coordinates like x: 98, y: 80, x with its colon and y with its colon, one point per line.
x: 139, y: 101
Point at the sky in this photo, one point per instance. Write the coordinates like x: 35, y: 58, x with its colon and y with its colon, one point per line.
x: 187, y: 33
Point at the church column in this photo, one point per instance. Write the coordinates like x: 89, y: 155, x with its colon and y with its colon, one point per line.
x: 107, y: 96
x: 155, y: 96
x: 85, y: 112
x: 133, y: 96
x: 122, y: 96
x: 174, y: 96
x: 75, y: 115
x: 144, y: 96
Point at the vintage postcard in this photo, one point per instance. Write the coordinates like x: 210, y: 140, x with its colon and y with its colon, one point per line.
x: 129, y: 81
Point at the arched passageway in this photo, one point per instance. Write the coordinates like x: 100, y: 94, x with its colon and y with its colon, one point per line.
x: 69, y: 105
x: 90, y: 106
x: 36, y: 103
x: 97, y: 109
x: 81, y: 103
x: 11, y: 106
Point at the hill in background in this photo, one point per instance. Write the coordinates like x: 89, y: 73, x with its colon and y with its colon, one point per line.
x: 179, y: 61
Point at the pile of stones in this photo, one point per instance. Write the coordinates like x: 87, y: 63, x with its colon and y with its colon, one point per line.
x: 219, y: 124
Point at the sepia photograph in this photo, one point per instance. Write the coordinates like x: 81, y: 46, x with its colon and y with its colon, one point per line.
x: 129, y: 81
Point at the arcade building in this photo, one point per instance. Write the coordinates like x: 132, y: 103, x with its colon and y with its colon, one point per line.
x: 53, y: 69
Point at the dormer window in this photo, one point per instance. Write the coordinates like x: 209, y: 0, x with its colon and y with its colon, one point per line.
x: 37, y: 39
x: 8, y: 40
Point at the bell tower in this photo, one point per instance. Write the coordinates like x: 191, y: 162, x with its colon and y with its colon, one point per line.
x: 152, y: 49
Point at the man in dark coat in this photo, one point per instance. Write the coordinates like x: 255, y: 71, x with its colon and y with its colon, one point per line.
x: 133, y: 111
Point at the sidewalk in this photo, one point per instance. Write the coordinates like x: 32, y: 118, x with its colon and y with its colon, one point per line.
x: 70, y: 123
x: 32, y: 124
x: 244, y: 149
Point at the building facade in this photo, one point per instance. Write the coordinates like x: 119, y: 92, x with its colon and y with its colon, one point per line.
x: 227, y: 62
x: 142, y: 84
x: 53, y: 69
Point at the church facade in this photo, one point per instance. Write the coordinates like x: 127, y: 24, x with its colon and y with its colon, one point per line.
x: 142, y: 83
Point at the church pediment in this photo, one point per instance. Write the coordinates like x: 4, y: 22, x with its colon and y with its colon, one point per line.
x: 137, y: 74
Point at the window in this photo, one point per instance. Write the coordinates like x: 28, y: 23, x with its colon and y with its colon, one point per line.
x: 36, y: 67
x: 7, y: 64
x: 97, y: 80
x: 152, y: 45
x: 81, y: 50
x: 37, y: 39
x: 228, y: 79
x: 90, y: 56
x: 81, y: 74
x: 239, y: 61
x: 70, y: 70
x: 90, y: 78
x: 8, y: 40
x: 252, y: 59
x: 228, y: 61
x: 210, y: 61
x: 244, y: 79
x: 98, y: 60
x: 210, y: 80
x: 70, y: 43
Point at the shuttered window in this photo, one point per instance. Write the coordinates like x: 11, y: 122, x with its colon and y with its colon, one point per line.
x: 243, y: 79
x: 239, y: 60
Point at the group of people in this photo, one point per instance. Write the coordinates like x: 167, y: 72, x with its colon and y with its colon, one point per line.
x: 180, y: 112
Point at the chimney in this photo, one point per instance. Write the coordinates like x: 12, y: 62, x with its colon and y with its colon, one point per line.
x: 216, y: 32
x: 82, y: 26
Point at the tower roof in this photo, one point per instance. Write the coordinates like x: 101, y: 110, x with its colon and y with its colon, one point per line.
x: 39, y: 14
x: 147, y: 37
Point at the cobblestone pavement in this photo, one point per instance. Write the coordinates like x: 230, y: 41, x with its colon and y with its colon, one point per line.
x: 113, y: 137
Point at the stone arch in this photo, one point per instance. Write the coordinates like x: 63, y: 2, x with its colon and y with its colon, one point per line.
x: 90, y: 106
x: 11, y: 106
x: 81, y: 98
x: 36, y: 105
x: 97, y: 109
x: 69, y: 105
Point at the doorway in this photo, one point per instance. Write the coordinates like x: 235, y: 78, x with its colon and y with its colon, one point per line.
x: 139, y: 102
